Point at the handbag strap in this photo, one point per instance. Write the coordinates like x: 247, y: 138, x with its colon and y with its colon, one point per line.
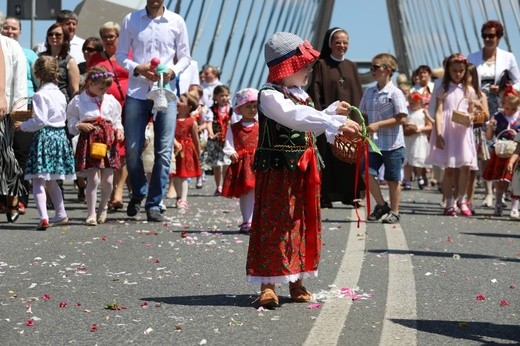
x: 115, y: 76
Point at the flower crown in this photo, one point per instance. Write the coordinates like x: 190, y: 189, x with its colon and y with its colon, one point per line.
x: 510, y: 91
x: 416, y: 97
x: 461, y: 58
x: 99, y: 75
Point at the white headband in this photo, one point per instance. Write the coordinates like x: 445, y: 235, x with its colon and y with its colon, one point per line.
x: 332, y: 34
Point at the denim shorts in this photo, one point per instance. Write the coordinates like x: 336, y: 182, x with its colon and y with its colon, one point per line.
x: 393, y: 161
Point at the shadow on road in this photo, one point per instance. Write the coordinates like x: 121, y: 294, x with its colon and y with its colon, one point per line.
x: 442, y: 254
x: 483, y: 332
x: 242, y: 300
x: 493, y: 235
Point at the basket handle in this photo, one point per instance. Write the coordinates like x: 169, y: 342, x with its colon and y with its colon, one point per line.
x: 506, y: 130
x: 462, y: 99
x: 363, y: 133
x: 18, y: 101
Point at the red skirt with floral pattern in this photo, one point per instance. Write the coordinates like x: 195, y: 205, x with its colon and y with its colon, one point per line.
x: 277, y: 245
x: 103, y: 133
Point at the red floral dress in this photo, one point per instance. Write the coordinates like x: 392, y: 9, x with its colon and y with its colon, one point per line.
x: 240, y: 178
x: 187, y: 161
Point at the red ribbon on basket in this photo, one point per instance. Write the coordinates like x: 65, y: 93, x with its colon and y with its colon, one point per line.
x: 362, y: 151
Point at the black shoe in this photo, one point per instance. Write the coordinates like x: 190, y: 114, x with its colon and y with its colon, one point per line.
x: 391, y: 218
x: 12, y: 214
x: 379, y: 212
x: 154, y: 215
x: 81, y: 194
x: 133, y: 207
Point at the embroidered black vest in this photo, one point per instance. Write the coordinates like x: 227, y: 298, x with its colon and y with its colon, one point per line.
x: 279, y: 146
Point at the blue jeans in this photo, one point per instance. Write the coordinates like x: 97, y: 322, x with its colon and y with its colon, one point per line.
x: 137, y: 116
x: 393, y: 161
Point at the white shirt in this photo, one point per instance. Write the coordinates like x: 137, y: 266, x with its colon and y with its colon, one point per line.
x: 15, y: 73
x: 207, y: 92
x: 300, y: 117
x: 84, y: 107
x: 76, y: 49
x: 188, y: 77
x: 164, y: 37
x: 49, y: 107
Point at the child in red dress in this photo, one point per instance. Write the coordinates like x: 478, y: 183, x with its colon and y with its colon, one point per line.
x: 187, y: 161
x: 284, y: 244
x: 240, y: 145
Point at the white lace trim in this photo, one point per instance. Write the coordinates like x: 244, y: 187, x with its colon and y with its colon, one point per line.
x: 48, y: 176
x: 284, y: 279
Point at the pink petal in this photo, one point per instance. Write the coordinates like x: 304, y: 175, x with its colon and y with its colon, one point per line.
x: 314, y: 306
x: 504, y: 302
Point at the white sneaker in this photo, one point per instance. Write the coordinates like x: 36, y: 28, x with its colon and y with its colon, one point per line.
x: 514, y: 214
x: 488, y: 201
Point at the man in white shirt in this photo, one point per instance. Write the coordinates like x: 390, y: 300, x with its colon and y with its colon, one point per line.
x: 69, y: 20
x: 211, y: 80
x: 153, y: 32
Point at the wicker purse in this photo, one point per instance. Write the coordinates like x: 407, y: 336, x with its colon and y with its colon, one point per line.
x: 346, y: 149
x: 460, y: 117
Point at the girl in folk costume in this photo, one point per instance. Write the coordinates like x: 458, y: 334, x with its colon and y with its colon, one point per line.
x: 416, y: 140
x: 452, y: 146
x: 213, y: 156
x: 285, y: 234
x: 187, y: 135
x: 51, y: 156
x: 240, y: 145
x: 201, y: 116
x: 503, y: 125
x: 96, y: 117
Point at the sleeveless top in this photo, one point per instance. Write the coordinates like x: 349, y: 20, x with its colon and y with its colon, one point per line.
x: 279, y: 146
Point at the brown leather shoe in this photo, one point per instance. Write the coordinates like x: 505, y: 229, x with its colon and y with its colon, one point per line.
x: 299, y: 294
x: 268, y: 299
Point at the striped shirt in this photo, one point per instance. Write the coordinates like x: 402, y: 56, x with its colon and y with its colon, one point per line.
x: 384, y: 104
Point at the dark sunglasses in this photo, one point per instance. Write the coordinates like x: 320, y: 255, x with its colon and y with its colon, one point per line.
x: 485, y: 36
x: 374, y: 68
x: 53, y: 34
x: 89, y: 49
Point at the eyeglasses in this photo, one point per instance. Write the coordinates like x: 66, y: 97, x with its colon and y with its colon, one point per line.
x: 54, y: 34
x: 490, y: 36
x: 374, y: 68
x: 109, y: 37
x: 89, y: 50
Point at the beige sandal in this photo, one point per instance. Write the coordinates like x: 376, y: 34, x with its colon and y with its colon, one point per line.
x: 300, y: 294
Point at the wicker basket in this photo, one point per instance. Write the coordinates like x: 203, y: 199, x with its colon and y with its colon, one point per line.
x: 19, y: 114
x: 460, y: 117
x: 479, y: 118
x: 346, y: 149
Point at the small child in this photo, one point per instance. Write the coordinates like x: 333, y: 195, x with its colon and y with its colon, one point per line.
x: 513, y: 167
x: 187, y: 162
x: 241, y: 142
x: 502, y: 125
x: 96, y: 117
x: 285, y: 241
x: 416, y: 141
x: 213, y: 156
x: 201, y: 116
x: 51, y: 156
x: 386, y: 109
x: 452, y: 145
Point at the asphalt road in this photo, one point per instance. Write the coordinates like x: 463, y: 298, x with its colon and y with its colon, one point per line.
x: 431, y: 280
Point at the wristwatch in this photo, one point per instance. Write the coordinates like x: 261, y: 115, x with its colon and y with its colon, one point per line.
x: 136, y: 74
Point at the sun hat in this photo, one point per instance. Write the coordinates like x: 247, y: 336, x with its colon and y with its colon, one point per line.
x: 286, y: 54
x: 244, y: 96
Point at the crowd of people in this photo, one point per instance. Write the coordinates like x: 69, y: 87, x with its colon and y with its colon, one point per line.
x: 131, y: 109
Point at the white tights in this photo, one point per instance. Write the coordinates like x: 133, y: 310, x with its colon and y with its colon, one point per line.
x: 247, y: 204
x: 95, y: 176
x: 181, y: 187
x: 40, y: 198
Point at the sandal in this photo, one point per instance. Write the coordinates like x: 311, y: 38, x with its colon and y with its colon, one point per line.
x: 299, y: 294
x: 268, y: 299
x: 115, y: 205
x: 464, y: 210
x: 450, y: 211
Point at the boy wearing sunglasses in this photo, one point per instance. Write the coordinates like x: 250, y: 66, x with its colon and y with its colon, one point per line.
x: 384, y: 105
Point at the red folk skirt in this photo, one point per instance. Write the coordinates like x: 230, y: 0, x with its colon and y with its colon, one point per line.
x: 284, y: 243
x: 496, y: 169
x: 104, y: 133
x: 240, y: 178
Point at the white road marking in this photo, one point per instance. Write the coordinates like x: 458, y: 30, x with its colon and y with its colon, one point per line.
x: 401, y: 298
x: 329, y: 324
